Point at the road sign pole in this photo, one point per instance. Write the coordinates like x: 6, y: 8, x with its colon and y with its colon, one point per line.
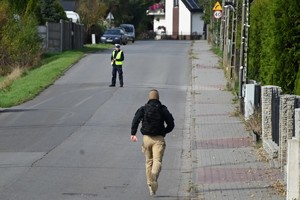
x: 218, y: 14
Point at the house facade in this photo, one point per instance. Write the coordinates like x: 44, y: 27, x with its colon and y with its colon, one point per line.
x: 178, y: 19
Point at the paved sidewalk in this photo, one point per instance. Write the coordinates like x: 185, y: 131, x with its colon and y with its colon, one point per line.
x: 226, y: 163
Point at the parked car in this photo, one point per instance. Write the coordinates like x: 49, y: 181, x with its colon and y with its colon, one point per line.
x: 129, y: 28
x: 114, y: 36
x: 126, y: 34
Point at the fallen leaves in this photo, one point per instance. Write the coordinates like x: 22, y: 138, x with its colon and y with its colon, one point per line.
x: 279, y: 187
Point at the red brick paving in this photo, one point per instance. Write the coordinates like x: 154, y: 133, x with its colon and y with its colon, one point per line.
x: 209, y: 175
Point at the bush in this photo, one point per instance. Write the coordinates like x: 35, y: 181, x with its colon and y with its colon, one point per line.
x: 20, y: 45
x: 274, y: 50
x: 254, y: 123
x: 297, y: 83
x: 287, y: 48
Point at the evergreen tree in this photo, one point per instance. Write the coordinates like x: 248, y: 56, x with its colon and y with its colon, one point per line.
x: 261, y: 43
x: 274, y: 56
x: 46, y: 11
x: 287, y: 46
x: 51, y: 11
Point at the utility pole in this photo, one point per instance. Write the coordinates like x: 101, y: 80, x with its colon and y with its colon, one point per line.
x: 244, y: 51
x: 233, y: 39
x: 229, y: 40
x: 226, y: 34
x: 221, y: 29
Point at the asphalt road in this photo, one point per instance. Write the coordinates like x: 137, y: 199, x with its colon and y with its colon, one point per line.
x: 73, y: 140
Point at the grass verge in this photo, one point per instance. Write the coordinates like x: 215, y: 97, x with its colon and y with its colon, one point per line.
x: 33, y: 82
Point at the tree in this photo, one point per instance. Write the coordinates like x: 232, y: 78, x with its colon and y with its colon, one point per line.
x: 208, y: 9
x: 19, y: 41
x: 261, y: 43
x: 91, y: 12
x: 33, y: 9
x: 130, y: 11
x: 94, y: 12
x: 52, y: 11
x: 4, y: 8
x: 274, y: 44
x: 46, y: 11
x: 287, y: 46
x: 19, y: 6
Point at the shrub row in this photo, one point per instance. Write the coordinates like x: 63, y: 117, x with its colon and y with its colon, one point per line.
x: 274, y: 47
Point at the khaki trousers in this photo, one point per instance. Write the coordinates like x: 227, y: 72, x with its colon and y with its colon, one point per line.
x: 153, y: 147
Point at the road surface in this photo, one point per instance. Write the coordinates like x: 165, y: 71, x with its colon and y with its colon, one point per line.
x: 73, y: 140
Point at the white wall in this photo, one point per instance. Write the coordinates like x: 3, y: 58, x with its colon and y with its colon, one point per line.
x: 169, y: 16
x: 293, y: 169
x: 160, y: 22
x: 188, y: 22
x: 184, y: 20
x: 249, y: 100
x: 197, y: 23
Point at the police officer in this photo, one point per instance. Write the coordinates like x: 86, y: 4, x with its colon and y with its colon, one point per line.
x: 117, y: 58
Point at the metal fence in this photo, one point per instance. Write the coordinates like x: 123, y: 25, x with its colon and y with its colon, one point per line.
x: 275, y: 117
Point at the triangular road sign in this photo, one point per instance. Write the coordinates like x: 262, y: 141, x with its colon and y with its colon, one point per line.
x: 217, y: 6
x: 110, y: 16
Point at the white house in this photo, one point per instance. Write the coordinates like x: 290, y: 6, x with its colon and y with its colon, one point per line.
x: 178, y: 19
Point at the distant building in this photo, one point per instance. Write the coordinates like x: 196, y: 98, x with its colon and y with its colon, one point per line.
x: 178, y: 19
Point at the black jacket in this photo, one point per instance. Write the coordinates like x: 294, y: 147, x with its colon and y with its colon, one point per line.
x: 166, y: 118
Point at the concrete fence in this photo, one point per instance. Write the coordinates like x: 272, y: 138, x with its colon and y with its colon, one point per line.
x: 293, y: 157
x: 59, y: 37
x: 280, y: 132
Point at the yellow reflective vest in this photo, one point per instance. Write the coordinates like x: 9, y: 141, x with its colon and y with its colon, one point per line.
x: 117, y: 57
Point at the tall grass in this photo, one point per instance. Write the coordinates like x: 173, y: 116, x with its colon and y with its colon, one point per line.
x: 7, y: 81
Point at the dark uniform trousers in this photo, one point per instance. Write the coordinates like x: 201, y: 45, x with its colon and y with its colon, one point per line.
x: 115, y: 69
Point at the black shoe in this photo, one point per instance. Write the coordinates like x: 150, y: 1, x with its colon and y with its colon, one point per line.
x: 112, y: 86
x: 121, y: 85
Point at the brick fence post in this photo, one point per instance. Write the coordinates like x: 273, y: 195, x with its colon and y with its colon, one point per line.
x: 266, y: 99
x: 267, y: 95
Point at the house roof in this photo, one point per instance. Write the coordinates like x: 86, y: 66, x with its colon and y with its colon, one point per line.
x: 192, y: 5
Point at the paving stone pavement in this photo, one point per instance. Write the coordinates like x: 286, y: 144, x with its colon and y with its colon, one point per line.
x: 226, y: 163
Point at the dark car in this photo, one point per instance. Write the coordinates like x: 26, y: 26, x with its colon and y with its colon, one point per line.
x: 115, y: 36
